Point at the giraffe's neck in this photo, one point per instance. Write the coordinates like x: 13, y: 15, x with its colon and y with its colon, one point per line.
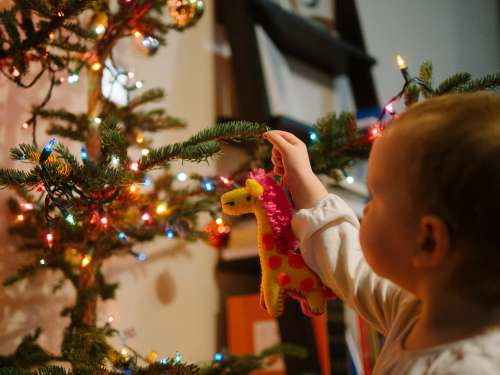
x: 265, y: 233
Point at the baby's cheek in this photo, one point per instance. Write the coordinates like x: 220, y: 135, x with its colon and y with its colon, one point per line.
x: 367, y: 239
x: 363, y: 234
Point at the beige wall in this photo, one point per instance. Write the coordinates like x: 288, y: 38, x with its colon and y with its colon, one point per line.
x: 171, y: 299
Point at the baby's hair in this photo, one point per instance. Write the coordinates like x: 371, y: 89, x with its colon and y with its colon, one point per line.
x: 456, y: 176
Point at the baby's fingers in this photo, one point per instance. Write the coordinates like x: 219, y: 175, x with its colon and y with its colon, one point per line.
x: 278, y: 140
x: 276, y: 158
x: 280, y: 171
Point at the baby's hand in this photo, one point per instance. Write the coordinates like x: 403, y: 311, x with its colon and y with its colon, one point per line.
x: 291, y: 162
x: 289, y: 157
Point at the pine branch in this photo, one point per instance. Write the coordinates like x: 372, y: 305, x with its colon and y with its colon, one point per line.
x: 40, y: 7
x: 9, y: 22
x: 63, y: 151
x: 17, y: 47
x: 488, y: 82
x: 156, y: 24
x: 201, y: 145
x: 338, y: 144
x: 27, y: 355
x: 112, y: 141
x: 62, y: 114
x: 16, y: 178
x: 411, y: 95
x: 23, y: 151
x: 106, y: 290
x: 154, y: 120
x: 22, y: 273
x: 149, y: 96
x: 452, y: 83
x: 70, y: 47
x: 183, y: 151
x: 68, y: 132
x: 426, y: 77
x: 233, y: 130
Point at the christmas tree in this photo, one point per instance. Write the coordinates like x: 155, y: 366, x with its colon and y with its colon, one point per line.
x: 72, y: 213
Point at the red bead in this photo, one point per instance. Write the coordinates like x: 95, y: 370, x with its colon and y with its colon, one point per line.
x: 275, y: 262
x: 284, y: 279
x: 268, y: 241
x: 295, y: 260
x: 129, y: 3
x: 307, y: 285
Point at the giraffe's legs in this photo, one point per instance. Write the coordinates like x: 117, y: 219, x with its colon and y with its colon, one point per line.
x: 316, y: 301
x: 261, y: 300
x: 273, y: 297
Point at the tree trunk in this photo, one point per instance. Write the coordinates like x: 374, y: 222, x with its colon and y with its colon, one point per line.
x: 93, y: 111
x: 88, y: 273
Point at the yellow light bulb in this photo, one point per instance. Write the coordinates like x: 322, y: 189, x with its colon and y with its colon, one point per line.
x: 401, y: 62
x: 96, y: 66
x: 161, y: 208
x: 100, y: 29
x: 219, y: 221
x: 139, y: 138
x: 152, y: 357
x: 86, y: 260
x: 20, y: 218
x: 133, y: 188
x: 137, y: 34
x: 145, y: 152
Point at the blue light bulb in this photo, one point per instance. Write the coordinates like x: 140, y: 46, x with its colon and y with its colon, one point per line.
x: 47, y: 150
x: 50, y: 145
x: 122, y: 236
x: 313, y: 136
x: 170, y: 233
x: 208, y: 185
x: 83, y: 152
x: 68, y: 216
x: 218, y: 357
x: 178, y: 357
x: 141, y: 257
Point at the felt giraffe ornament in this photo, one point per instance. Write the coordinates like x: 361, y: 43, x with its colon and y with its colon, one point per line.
x: 284, y: 272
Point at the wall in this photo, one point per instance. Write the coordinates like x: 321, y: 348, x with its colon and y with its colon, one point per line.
x: 170, y: 301
x: 456, y: 35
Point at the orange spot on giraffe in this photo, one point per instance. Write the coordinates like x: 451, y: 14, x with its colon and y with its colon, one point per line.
x: 284, y: 279
x: 307, y: 284
x: 275, y: 262
x: 295, y: 260
x: 268, y: 241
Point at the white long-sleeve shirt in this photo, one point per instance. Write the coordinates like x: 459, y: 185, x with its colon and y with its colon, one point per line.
x: 329, y: 240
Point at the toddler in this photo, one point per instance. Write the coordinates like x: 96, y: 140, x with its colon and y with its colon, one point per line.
x: 424, y: 265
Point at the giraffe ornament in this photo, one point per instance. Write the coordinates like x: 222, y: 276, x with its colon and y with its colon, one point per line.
x: 284, y: 272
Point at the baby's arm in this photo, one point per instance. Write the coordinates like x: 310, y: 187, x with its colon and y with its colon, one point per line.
x: 328, y: 232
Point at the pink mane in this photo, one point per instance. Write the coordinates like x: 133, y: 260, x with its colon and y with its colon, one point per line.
x: 278, y: 210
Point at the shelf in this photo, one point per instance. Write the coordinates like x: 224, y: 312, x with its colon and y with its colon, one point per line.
x: 306, y: 41
x: 250, y: 265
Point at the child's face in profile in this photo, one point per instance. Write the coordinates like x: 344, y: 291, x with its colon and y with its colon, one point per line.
x: 389, y: 228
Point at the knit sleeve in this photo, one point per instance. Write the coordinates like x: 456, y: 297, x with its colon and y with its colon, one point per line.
x: 328, y: 234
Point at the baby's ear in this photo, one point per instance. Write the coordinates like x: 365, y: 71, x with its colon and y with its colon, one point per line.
x: 434, y: 243
x: 254, y: 188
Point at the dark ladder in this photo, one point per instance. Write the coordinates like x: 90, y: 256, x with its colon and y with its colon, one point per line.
x: 315, y: 46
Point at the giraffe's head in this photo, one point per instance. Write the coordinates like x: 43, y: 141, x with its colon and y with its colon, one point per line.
x: 242, y: 200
